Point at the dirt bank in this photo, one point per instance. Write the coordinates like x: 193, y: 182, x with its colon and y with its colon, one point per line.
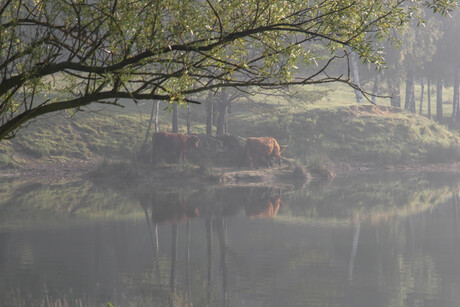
x: 286, y: 175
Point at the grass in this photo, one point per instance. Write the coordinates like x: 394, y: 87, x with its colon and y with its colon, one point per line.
x: 329, y: 128
x: 82, y: 137
x: 319, y: 120
x: 370, y: 136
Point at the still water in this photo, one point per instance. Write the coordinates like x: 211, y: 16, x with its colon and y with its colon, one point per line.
x: 357, y: 241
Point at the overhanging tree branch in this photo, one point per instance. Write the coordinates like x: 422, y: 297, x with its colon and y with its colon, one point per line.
x: 167, y: 50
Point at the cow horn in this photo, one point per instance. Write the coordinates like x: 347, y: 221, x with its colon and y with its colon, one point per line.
x: 289, y: 143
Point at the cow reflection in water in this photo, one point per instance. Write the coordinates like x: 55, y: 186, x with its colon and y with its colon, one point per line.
x: 174, y: 207
x: 264, y: 205
x: 174, y: 212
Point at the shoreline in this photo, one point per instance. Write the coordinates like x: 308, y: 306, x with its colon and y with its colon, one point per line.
x: 194, y: 175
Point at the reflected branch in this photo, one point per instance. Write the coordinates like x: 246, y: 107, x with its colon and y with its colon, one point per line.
x: 208, y: 226
x: 172, y: 282
x: 354, y: 249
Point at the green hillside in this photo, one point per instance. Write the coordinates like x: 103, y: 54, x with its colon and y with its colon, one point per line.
x: 319, y: 122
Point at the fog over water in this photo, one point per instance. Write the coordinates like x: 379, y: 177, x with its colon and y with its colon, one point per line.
x: 346, y: 243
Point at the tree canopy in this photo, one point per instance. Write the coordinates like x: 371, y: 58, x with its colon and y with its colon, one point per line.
x: 66, y: 54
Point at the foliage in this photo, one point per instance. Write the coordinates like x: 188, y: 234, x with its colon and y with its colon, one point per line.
x: 60, y: 55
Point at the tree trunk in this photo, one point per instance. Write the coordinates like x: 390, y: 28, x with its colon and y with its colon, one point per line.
x: 439, y: 99
x: 209, y: 116
x: 222, y: 118
x: 175, y: 119
x: 429, y: 97
x: 215, y: 113
x: 189, y: 119
x: 355, y: 73
x: 410, y: 96
x: 456, y: 94
x: 376, y: 88
x: 150, y: 124
x: 229, y: 110
x: 157, y: 114
x: 394, y: 89
x: 458, y: 100
x: 421, y: 97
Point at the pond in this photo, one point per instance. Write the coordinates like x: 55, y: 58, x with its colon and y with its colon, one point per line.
x: 369, y: 240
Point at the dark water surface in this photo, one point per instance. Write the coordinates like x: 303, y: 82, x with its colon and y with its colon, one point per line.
x: 358, y: 241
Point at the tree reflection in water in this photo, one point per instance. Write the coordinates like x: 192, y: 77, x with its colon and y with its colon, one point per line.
x: 175, y: 208
x: 372, y: 241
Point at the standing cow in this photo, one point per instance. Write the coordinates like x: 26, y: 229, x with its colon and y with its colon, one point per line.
x: 263, y: 149
x: 166, y: 145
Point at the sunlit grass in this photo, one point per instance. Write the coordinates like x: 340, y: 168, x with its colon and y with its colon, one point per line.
x: 317, y: 119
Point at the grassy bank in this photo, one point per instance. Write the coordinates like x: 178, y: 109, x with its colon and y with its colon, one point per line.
x: 321, y: 123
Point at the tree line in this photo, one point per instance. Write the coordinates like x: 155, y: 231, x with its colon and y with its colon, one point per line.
x: 425, y: 54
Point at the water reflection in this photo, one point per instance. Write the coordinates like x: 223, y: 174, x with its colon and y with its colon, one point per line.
x: 371, y: 241
x: 182, y: 206
x: 179, y: 206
